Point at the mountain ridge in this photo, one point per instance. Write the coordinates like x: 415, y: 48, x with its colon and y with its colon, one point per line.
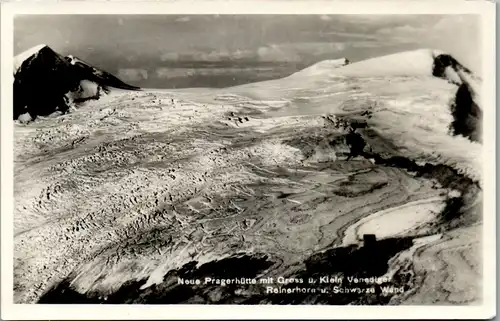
x: 46, y: 82
x: 465, y: 107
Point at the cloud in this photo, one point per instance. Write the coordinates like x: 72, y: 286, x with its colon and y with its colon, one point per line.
x: 320, y: 48
x: 183, y: 19
x: 406, y: 29
x: 293, y: 52
x: 325, y: 18
x: 209, y: 56
x: 351, y: 35
x: 170, y: 56
x: 365, y: 44
x: 460, y: 36
x: 284, y: 52
x: 132, y: 74
x: 276, y: 53
x: 457, y: 35
x: 243, y: 54
x: 170, y: 73
x: 376, y: 22
x: 173, y: 72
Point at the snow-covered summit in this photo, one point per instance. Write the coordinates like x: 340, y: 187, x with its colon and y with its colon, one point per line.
x: 45, y: 81
x: 408, y: 63
x: 23, y: 56
x: 415, y: 63
x: 323, y: 66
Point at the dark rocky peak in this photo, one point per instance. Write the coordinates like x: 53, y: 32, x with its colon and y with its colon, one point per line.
x: 447, y: 67
x: 44, y: 82
x: 466, y: 112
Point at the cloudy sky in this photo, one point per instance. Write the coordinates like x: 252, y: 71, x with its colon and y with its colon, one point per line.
x: 171, y: 51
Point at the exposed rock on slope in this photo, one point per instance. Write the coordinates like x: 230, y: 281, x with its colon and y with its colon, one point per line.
x: 443, y: 63
x: 45, y: 82
x: 467, y: 115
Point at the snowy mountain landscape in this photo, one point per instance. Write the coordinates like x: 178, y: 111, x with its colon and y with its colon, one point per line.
x: 365, y: 177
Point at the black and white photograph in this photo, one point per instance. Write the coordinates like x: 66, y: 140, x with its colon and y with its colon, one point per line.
x: 223, y: 159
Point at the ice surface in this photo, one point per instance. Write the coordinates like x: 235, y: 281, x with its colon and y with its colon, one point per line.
x: 397, y: 221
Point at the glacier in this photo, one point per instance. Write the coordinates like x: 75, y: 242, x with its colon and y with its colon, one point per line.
x: 125, y: 193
